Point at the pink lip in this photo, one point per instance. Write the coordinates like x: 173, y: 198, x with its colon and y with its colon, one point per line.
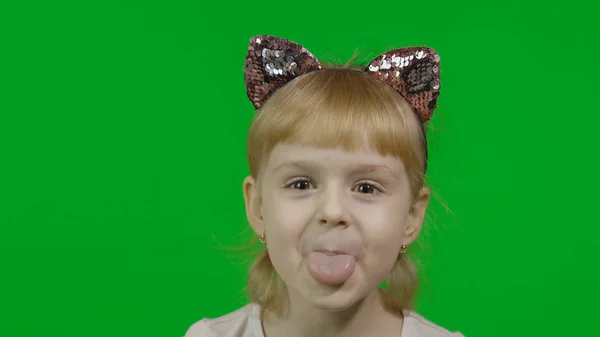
x: 331, y: 252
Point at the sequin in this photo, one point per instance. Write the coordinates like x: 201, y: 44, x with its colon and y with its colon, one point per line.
x: 413, y: 71
x: 385, y: 64
x: 271, y: 63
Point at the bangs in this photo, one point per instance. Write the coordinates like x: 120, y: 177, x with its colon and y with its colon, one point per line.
x: 338, y: 108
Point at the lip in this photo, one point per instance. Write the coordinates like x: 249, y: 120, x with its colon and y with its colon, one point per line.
x: 332, y: 252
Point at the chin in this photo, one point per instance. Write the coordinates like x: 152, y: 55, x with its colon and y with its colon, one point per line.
x: 339, y: 301
x: 335, y: 304
x: 335, y: 298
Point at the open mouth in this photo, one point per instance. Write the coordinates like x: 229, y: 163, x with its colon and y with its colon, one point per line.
x: 330, y: 267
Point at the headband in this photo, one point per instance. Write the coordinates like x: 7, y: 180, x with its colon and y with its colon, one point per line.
x: 414, y: 72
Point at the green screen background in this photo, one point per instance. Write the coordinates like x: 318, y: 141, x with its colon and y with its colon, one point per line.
x: 122, y: 153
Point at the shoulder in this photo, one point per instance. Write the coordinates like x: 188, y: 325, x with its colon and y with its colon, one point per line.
x: 416, y: 325
x: 244, y: 322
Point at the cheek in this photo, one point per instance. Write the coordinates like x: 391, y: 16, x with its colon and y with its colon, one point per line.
x: 384, y: 241
x: 288, y: 215
x: 286, y: 219
x: 384, y: 221
x: 382, y: 246
x: 383, y: 227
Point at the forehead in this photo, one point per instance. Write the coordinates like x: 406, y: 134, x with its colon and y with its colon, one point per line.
x: 293, y: 155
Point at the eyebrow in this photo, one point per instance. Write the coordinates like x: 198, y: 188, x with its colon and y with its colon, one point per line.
x: 369, y: 168
x: 359, y: 168
x: 303, y: 164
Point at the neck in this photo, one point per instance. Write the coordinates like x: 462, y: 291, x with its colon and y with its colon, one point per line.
x: 366, y: 318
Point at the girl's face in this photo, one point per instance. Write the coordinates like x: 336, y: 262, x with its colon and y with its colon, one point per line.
x: 334, y: 221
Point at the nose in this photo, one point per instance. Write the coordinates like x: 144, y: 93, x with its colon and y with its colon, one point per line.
x: 334, y: 208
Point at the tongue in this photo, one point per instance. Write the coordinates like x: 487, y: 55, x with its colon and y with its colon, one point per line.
x: 330, y: 269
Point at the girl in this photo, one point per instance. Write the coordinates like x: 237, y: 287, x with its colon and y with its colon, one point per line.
x: 337, y: 157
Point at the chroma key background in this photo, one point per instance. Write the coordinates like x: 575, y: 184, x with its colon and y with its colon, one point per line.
x: 122, y: 154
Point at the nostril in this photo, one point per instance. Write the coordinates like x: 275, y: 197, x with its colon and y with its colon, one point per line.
x: 343, y: 223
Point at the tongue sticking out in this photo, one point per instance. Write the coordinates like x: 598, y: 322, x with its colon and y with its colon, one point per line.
x: 330, y: 269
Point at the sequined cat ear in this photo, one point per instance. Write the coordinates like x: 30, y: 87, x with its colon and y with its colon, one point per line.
x: 414, y: 72
x: 271, y: 63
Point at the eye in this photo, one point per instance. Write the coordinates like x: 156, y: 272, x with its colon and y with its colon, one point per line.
x: 367, y: 188
x: 299, y: 184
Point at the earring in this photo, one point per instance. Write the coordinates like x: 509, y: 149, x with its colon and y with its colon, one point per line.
x: 403, y: 249
x: 262, y: 238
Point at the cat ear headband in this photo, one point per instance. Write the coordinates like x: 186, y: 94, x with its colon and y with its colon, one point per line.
x: 414, y: 72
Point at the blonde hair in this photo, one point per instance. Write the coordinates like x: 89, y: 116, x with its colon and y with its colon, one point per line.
x: 344, y: 107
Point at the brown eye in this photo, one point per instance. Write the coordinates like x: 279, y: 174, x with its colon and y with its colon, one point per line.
x: 300, y: 185
x: 366, y: 188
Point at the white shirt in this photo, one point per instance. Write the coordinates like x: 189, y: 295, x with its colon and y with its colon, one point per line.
x: 245, y: 322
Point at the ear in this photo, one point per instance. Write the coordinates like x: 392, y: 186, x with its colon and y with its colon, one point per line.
x: 416, y: 214
x: 414, y: 72
x: 271, y: 63
x: 253, y: 203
